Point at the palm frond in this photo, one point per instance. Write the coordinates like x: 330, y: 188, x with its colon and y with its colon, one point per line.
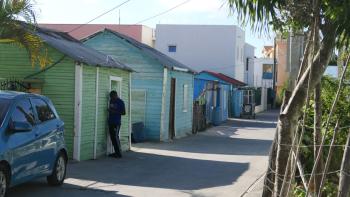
x: 17, y: 24
x: 259, y: 13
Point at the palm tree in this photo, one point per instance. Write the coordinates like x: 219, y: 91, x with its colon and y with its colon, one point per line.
x: 17, y: 24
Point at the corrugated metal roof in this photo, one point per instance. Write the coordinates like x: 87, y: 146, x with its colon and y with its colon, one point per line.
x: 162, y: 58
x: 75, y: 49
x: 226, y: 78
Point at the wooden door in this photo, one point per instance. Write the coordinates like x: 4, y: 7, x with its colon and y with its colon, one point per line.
x: 172, y: 109
x: 115, y: 84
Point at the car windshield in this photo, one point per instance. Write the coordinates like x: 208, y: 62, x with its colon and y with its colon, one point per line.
x: 4, y: 105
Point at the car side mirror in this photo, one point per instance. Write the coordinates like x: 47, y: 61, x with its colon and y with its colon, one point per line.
x: 20, y: 126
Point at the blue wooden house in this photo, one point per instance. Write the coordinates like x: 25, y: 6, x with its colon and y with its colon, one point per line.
x: 161, y: 87
x: 220, y: 94
x: 213, y: 92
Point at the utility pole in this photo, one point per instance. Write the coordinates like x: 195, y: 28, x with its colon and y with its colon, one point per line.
x: 119, y: 16
x: 274, y: 72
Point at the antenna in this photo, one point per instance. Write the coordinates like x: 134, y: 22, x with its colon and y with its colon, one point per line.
x: 119, y: 16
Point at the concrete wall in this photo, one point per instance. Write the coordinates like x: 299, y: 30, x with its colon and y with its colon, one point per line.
x: 263, y: 106
x: 249, y: 53
x: 239, y: 55
x: 217, y: 48
x: 294, y: 56
x: 140, y: 33
x: 282, y: 69
x: 289, y: 54
x: 258, y: 73
x: 148, y: 36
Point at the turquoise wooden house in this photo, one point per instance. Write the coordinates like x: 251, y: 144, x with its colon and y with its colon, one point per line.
x: 161, y: 88
x: 77, y: 80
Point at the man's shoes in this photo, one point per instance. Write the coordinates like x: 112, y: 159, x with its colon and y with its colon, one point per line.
x: 115, y: 155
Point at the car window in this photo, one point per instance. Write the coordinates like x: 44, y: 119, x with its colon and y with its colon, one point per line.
x: 23, y: 112
x: 44, y: 111
x: 4, y: 105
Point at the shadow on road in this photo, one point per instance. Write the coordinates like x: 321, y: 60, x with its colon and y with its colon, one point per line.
x: 149, y: 170
x: 40, y: 188
x: 209, y: 144
x: 140, y: 170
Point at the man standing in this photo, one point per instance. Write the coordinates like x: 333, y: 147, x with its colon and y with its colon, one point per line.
x: 116, y: 110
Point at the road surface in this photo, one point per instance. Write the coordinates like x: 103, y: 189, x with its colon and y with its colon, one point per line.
x: 223, y: 161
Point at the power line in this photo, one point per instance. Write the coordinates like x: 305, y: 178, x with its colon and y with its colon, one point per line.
x: 164, y: 12
x: 74, y: 29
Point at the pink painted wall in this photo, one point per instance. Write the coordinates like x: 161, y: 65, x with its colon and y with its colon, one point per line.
x: 133, y: 31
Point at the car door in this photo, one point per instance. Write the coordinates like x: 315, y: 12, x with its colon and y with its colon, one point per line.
x: 46, y: 134
x: 21, y: 144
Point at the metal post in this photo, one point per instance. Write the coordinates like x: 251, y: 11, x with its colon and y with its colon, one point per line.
x: 274, y: 72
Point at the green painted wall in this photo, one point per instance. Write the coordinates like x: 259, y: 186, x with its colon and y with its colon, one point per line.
x: 89, y: 110
x: 58, y: 82
x: 59, y: 86
x: 88, y: 113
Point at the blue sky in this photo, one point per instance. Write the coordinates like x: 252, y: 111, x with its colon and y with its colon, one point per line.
x: 210, y: 12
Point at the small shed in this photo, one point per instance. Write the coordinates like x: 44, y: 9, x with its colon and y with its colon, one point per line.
x: 78, y: 81
x: 215, y: 94
x: 161, y: 87
x: 234, y: 94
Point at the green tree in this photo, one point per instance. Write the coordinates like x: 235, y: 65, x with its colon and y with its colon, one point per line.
x: 17, y: 26
x: 326, y: 24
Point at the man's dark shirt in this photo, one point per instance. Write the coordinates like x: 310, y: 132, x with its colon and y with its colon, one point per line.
x: 116, y: 110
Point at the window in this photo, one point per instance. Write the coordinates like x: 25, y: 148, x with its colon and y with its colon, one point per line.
x: 23, y: 112
x: 215, y: 95
x: 4, y: 104
x: 218, y: 97
x: 172, y: 48
x: 43, y: 110
x: 247, y: 96
x: 225, y: 100
x: 185, y: 99
x: 267, y: 71
x: 247, y: 65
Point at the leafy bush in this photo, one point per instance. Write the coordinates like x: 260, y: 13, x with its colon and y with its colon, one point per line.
x: 342, y: 112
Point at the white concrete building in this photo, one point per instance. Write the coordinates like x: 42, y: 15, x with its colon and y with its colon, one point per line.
x: 218, y: 48
x: 249, y: 64
x: 262, y: 73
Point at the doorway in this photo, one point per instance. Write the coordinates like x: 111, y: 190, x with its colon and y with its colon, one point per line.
x: 114, y: 84
x: 172, y: 109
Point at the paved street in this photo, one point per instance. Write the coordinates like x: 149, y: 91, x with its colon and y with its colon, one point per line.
x: 223, y: 161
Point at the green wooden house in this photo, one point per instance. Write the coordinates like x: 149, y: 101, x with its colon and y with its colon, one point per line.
x: 78, y: 80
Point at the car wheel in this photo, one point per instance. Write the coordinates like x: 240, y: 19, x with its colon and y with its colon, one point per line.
x: 4, y: 181
x: 59, y: 172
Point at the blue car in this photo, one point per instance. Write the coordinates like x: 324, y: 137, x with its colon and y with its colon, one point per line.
x: 31, y: 141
